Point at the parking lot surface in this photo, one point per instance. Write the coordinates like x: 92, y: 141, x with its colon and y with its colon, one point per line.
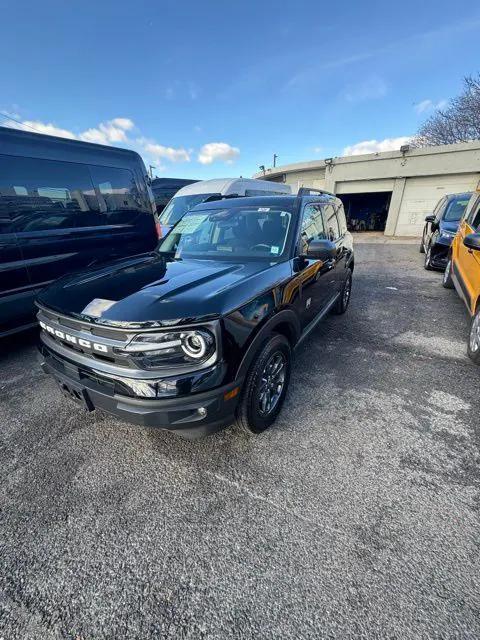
x: 356, y: 515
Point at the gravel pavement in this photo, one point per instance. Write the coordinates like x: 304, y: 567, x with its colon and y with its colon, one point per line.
x: 356, y: 516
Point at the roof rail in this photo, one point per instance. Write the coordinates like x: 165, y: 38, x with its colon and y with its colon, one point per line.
x: 306, y: 191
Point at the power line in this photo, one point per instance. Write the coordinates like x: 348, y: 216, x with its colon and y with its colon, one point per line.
x: 7, y: 117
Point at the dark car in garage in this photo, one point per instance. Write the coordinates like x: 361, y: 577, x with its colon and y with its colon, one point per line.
x: 440, y: 229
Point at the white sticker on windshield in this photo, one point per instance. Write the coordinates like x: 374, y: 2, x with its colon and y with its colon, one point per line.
x: 190, y: 223
x: 263, y: 209
x: 274, y: 250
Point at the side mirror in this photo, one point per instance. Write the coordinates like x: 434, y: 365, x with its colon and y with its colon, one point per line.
x: 430, y: 218
x: 321, y: 250
x: 472, y: 241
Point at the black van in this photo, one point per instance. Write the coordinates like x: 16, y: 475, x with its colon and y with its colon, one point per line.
x: 64, y: 205
x: 165, y: 188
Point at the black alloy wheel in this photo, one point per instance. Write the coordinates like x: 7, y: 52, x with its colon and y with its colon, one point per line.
x: 265, y: 386
x: 346, y: 293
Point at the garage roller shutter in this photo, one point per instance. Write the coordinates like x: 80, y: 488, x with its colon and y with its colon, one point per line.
x: 422, y: 194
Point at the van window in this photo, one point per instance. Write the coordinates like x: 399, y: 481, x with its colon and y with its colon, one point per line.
x: 117, y: 194
x: 179, y: 205
x: 46, y: 194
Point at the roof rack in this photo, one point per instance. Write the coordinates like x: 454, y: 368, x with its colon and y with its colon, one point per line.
x: 306, y: 191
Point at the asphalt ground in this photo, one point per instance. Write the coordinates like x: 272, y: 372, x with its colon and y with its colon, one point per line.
x: 355, y: 516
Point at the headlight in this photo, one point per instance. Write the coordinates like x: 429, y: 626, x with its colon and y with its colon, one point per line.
x: 447, y: 235
x: 154, y: 350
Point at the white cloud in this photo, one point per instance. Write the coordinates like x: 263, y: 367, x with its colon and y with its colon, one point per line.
x: 167, y: 153
x: 317, y: 150
x: 123, y: 123
x: 214, y: 151
x: 47, y: 128
x: 108, y: 132
x: 429, y: 105
x: 376, y: 146
x: 105, y: 133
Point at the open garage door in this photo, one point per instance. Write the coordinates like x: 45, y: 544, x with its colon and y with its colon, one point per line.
x: 366, y: 211
x: 422, y: 194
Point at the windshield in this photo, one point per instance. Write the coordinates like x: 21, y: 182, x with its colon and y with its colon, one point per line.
x: 455, y: 209
x: 240, y: 232
x: 179, y: 205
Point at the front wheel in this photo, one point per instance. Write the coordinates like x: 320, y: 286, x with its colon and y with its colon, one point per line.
x: 428, y: 258
x: 447, y: 281
x: 422, y: 245
x: 345, y: 294
x: 474, y: 339
x: 265, y: 386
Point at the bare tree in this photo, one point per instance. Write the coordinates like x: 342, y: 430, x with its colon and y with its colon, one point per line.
x: 459, y: 122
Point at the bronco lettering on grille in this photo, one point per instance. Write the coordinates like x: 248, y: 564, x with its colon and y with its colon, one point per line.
x: 88, y: 344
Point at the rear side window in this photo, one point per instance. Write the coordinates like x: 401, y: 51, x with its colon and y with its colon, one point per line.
x: 475, y: 217
x: 342, y: 221
x: 333, y: 228
x: 313, y: 227
x: 117, y: 194
x: 45, y: 194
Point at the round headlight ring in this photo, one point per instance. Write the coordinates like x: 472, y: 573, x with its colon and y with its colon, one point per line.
x: 195, y: 345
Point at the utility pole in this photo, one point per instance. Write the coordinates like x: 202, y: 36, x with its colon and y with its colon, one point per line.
x: 151, y: 167
x: 275, y: 159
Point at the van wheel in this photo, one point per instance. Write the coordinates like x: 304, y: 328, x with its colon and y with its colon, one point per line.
x: 265, y: 386
x: 474, y: 339
x: 447, y: 281
x: 346, y: 293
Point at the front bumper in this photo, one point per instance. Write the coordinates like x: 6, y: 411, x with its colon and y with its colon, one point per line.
x: 191, y: 416
x: 439, y: 254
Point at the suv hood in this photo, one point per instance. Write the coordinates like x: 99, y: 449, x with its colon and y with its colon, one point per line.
x: 151, y: 289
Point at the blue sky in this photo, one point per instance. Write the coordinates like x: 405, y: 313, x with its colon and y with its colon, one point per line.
x: 214, y: 88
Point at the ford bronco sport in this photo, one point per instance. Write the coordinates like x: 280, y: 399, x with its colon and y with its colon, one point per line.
x: 200, y: 333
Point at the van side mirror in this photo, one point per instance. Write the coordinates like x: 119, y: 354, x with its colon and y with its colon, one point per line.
x: 472, y: 241
x: 321, y: 250
x: 430, y: 218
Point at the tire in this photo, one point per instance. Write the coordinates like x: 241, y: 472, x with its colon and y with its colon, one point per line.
x: 346, y: 293
x: 428, y: 259
x: 473, y: 347
x: 422, y: 246
x: 250, y: 417
x: 447, y: 281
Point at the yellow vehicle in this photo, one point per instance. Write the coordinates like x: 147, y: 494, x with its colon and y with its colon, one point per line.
x: 463, y: 270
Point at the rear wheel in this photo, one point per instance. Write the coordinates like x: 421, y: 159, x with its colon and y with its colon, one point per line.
x: 447, y: 281
x: 265, y: 386
x: 474, y: 339
x: 346, y: 293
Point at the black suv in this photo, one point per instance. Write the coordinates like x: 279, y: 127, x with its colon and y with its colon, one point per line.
x: 440, y: 229
x: 200, y: 333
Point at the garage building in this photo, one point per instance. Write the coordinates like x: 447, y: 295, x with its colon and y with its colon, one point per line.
x: 391, y: 191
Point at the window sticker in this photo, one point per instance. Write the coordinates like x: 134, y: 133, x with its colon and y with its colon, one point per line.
x: 274, y: 250
x: 189, y: 224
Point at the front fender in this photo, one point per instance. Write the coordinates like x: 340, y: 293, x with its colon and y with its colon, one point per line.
x: 285, y: 321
